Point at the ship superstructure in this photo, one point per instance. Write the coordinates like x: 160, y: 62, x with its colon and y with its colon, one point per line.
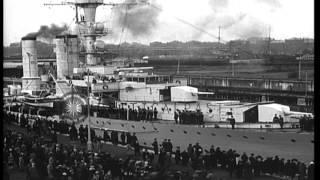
x: 115, y: 83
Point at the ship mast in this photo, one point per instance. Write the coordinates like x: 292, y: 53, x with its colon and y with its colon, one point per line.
x: 269, y: 42
x: 92, y: 31
x: 91, y: 27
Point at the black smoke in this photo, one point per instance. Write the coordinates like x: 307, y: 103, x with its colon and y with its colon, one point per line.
x: 48, y: 33
x: 138, y: 19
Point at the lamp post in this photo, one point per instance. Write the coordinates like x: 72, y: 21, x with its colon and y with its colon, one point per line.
x: 89, y: 143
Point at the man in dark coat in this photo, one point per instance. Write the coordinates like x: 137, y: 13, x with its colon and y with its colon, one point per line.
x: 275, y: 119
x: 144, y: 114
x: 181, y: 120
x: 281, y: 121
x: 177, y: 156
x: 311, y: 171
x: 106, y: 136
x: 129, y: 141
x: 136, y: 149
x: 198, y: 149
x: 176, y: 116
x: 170, y: 146
x: 123, y: 138
x: 302, y: 122
x: 73, y: 133
x: 232, y: 121
x: 134, y: 139
x: 155, y: 113
x: 185, y: 158
x: 155, y: 146
x: 82, y: 133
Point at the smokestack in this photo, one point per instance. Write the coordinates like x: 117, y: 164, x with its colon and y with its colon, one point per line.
x: 30, y: 79
x: 67, y: 54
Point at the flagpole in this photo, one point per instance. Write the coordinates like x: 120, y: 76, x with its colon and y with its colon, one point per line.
x: 89, y: 143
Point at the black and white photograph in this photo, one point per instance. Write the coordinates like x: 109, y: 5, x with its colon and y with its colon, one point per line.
x: 158, y: 90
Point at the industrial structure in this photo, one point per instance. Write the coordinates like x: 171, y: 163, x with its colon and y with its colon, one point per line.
x: 31, y: 78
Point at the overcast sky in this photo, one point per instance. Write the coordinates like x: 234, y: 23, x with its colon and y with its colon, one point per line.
x: 181, y: 20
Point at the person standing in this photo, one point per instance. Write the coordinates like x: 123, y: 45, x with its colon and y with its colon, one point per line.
x: 123, y: 138
x: 232, y: 121
x: 155, y: 146
x: 155, y: 113
x: 170, y: 146
x: 148, y: 114
x: 129, y: 138
x: 176, y: 115
x: 185, y: 158
x: 198, y: 150
x: 136, y: 149
x: 311, y: 171
x: 275, y: 119
x: 181, y: 120
x: 177, y: 156
x: 281, y: 121
x: 134, y: 139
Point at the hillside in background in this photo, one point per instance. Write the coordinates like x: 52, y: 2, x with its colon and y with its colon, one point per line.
x: 236, y: 49
x: 43, y: 49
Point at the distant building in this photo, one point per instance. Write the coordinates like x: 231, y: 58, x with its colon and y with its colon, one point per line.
x: 307, y: 57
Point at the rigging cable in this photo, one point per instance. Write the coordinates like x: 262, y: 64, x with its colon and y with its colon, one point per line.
x: 188, y: 23
x: 123, y: 27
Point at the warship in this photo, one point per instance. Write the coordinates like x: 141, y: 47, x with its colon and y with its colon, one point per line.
x: 98, y: 84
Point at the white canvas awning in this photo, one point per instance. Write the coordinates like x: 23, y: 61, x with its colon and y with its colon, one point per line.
x: 267, y: 111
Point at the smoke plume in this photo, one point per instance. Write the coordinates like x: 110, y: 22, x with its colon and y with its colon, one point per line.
x: 138, y: 19
x: 218, y: 5
x: 233, y: 24
x: 250, y: 28
x: 48, y: 33
x: 271, y: 3
x: 213, y: 21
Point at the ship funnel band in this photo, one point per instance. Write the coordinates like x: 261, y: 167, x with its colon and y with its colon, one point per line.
x: 33, y: 38
x: 66, y: 36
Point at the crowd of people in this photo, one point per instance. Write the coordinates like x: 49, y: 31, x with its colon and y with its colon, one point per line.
x: 188, y: 117
x: 306, y: 123
x: 47, y: 160
x: 238, y: 165
x: 139, y: 114
x: 41, y: 158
